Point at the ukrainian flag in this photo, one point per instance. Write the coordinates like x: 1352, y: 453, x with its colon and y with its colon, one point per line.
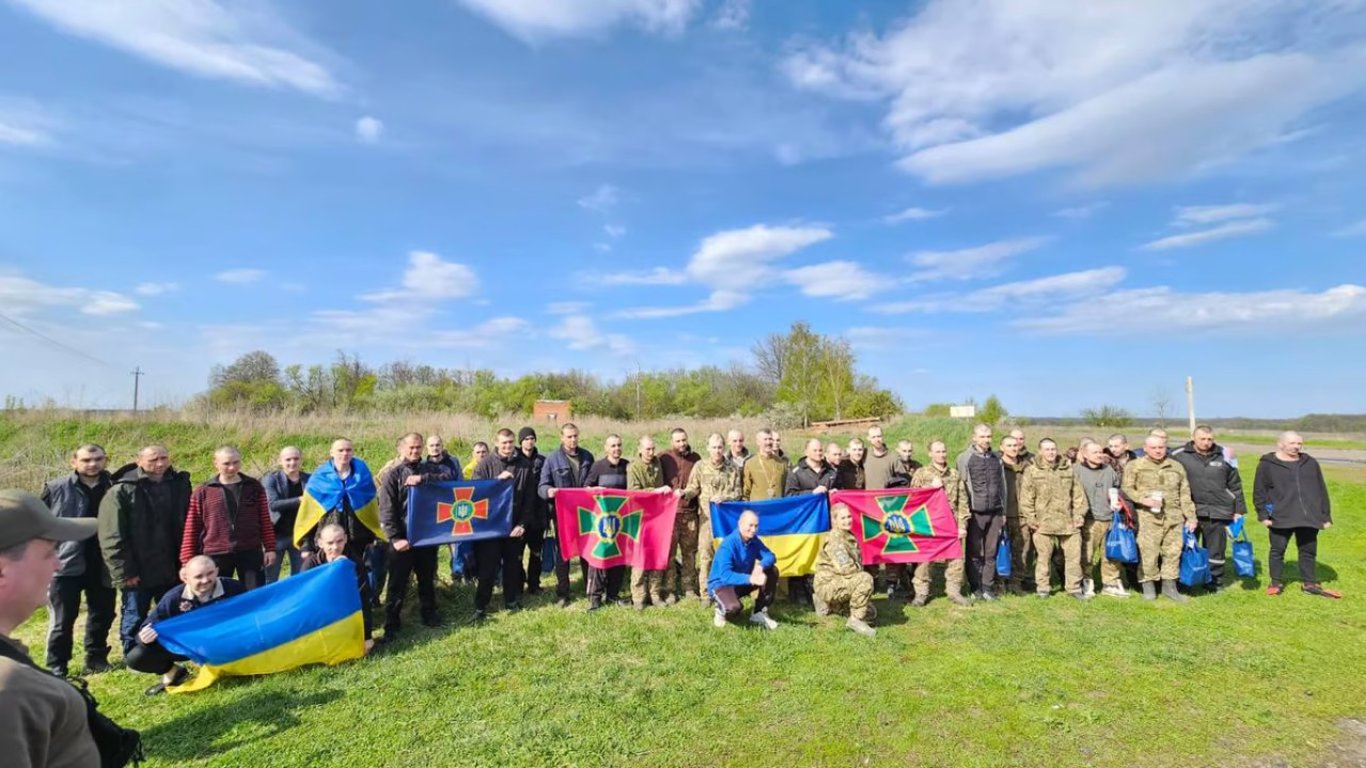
x: 791, y: 527
x: 325, y: 491
x: 311, y: 618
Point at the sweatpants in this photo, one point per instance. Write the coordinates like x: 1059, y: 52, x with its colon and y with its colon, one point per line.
x: 729, y: 597
x: 402, y: 566
x: 1307, y: 547
x: 1214, y: 537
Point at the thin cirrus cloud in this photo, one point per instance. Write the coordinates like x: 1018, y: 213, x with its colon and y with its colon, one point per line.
x: 732, y: 263
x: 1221, y: 232
x: 21, y: 296
x: 533, y: 21
x: 981, y: 89
x: 1069, y: 286
x: 205, y: 38
x: 970, y: 263
x: 1189, y: 215
x: 656, y: 276
x: 913, y: 214
x: 155, y: 289
x: 240, y: 276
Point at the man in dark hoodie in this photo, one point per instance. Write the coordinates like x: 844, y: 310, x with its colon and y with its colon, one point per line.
x: 537, y: 521
x: 566, y: 468
x: 1217, y: 491
x: 1291, y: 499
x: 404, y: 559
x: 505, y: 463
x: 604, y: 584
x: 142, y: 522
x: 81, y: 566
x: 677, y: 464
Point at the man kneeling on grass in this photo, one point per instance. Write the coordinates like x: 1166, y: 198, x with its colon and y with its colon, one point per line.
x: 331, y: 541
x: 742, y: 565
x: 840, y: 580
x: 200, y: 586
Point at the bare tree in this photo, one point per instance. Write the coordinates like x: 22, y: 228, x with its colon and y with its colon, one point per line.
x: 1161, y: 400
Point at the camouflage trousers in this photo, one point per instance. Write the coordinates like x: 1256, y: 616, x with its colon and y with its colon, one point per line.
x: 659, y: 584
x: 854, y: 591
x: 1158, y: 538
x: 704, y: 552
x: 953, y: 578
x: 1021, y: 547
x: 1093, y: 549
x: 1044, y: 543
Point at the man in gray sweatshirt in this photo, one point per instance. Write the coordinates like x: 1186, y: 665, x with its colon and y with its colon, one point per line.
x: 1100, y: 482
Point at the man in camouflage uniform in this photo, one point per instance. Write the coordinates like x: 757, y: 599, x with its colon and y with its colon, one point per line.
x: 1053, y: 506
x: 765, y: 475
x: 647, y: 474
x: 840, y: 579
x: 1021, y: 542
x: 939, y: 474
x: 714, y: 478
x: 1159, y: 484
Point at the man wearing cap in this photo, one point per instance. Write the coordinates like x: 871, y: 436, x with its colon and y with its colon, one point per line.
x: 142, y: 525
x: 78, y: 495
x: 43, y: 720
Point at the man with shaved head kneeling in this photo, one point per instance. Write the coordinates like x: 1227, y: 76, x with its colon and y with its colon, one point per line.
x: 199, y: 586
x: 743, y: 565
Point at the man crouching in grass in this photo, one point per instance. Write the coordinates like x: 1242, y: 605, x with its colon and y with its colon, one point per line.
x: 331, y: 541
x: 742, y: 565
x: 200, y: 586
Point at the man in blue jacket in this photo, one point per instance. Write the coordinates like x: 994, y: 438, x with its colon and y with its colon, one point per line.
x: 565, y: 468
x: 742, y: 565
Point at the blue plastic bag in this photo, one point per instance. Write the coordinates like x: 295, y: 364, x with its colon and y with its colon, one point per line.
x: 1243, y: 562
x: 1120, y: 544
x: 1005, y: 560
x: 1194, y: 562
x: 550, y: 555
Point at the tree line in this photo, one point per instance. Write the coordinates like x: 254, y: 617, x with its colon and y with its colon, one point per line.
x: 795, y: 378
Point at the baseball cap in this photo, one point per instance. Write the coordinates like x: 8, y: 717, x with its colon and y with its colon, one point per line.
x: 24, y: 517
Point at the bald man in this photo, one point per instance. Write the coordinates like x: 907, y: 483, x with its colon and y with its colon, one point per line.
x: 743, y: 564
x: 229, y: 520
x: 1291, y: 499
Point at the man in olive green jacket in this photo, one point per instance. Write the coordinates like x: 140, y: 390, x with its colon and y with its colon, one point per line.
x: 647, y: 474
x: 1053, y: 506
x: 1159, y: 485
x: 765, y: 474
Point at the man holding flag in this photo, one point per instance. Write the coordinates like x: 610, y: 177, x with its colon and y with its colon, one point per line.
x: 566, y: 468
x: 938, y: 474
x: 200, y: 585
x: 506, y: 463
x: 742, y: 565
x: 647, y: 474
x: 404, y: 559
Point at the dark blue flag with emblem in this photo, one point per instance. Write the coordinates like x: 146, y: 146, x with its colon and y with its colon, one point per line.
x: 453, y: 511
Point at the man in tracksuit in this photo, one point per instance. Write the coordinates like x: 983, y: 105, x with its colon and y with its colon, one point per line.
x: 565, y: 468
x: 1217, y: 491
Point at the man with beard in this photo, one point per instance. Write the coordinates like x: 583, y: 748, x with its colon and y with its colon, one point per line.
x: 677, y: 465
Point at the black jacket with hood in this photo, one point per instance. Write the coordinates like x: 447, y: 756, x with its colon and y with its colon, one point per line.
x: 1216, y: 487
x: 1292, y: 494
x: 139, y: 537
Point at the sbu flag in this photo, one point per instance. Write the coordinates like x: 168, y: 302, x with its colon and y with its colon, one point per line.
x: 902, y: 525
x: 608, y: 528
x: 463, y: 510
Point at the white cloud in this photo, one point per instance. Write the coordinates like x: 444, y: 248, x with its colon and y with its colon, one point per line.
x: 614, y: 230
x: 429, y: 276
x: 1221, y: 232
x: 21, y: 136
x: 1081, y: 212
x: 719, y: 301
x: 369, y: 129
x: 1163, y: 307
x: 155, y: 289
x: 656, y: 276
x: 1352, y: 230
x: 842, y: 280
x: 536, y: 20
x: 882, y: 337
x: 601, y: 200
x: 913, y: 214
x: 1115, y: 92
x: 583, y: 334
x: 240, y: 276
x: 1037, y: 292
x: 971, y: 263
x: 244, y: 42
x: 1190, y: 215
x: 567, y: 307
x: 22, y: 296
x: 733, y: 14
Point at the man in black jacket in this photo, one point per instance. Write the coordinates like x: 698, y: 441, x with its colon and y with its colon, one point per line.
x: 506, y: 463
x: 81, y: 566
x: 538, y: 516
x: 1291, y: 499
x: 405, y: 559
x: 142, y: 520
x: 1217, y: 491
x: 604, y: 584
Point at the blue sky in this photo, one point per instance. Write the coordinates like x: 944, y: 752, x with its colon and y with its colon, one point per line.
x: 1062, y: 203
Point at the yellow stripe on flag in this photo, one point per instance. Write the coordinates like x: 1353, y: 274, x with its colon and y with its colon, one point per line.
x: 796, y: 552
x: 335, y: 643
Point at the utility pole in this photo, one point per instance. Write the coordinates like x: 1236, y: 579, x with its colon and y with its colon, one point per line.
x: 1190, y: 403
x: 137, y: 377
x: 638, y: 375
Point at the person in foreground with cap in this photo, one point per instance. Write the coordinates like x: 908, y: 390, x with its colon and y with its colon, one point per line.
x: 43, y: 720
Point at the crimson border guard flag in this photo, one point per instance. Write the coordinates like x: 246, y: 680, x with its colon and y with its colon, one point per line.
x: 608, y: 527
x: 459, y: 510
x: 902, y: 525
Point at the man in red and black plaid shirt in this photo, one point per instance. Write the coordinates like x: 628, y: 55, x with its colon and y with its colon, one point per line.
x: 229, y: 520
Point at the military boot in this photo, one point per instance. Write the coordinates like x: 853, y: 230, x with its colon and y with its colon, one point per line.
x: 860, y: 627
x: 822, y: 608
x: 1149, y: 590
x: 1169, y: 591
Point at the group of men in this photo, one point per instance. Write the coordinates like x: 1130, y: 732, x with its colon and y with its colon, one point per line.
x: 153, y: 524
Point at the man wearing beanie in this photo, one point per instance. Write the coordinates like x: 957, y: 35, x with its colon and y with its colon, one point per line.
x: 538, y: 513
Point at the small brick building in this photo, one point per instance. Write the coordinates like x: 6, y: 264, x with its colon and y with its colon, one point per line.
x: 553, y: 411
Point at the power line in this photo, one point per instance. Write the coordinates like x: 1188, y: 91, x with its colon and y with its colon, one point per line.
x: 59, y: 345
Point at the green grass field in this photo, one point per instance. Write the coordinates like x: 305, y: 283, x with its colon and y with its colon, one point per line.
x: 1233, y: 679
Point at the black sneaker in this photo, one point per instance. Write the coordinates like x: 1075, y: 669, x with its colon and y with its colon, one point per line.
x: 513, y: 607
x: 479, y: 616
x: 181, y: 674
x: 594, y: 603
x: 96, y: 666
x: 431, y: 620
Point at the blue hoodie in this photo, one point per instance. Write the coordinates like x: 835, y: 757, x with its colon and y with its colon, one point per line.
x: 735, y: 560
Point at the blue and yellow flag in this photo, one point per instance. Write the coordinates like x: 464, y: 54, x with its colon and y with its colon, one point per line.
x: 791, y: 527
x: 325, y: 491
x: 311, y: 618
x: 460, y: 510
